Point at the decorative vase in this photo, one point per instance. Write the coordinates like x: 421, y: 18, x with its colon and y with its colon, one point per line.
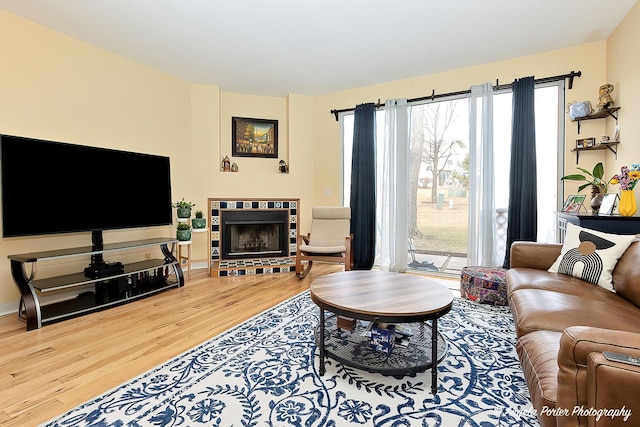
x: 627, y: 205
x: 198, y: 223
x: 596, y: 202
x: 183, y: 235
x: 183, y: 212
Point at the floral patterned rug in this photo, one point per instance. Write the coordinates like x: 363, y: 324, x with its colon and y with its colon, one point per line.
x: 264, y: 372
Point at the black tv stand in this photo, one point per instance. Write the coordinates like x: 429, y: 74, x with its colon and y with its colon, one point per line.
x: 115, y: 283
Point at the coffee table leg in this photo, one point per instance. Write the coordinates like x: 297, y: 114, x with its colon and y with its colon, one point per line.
x: 321, y: 343
x: 434, y: 356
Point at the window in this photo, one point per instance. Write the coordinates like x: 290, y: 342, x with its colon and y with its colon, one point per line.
x: 439, y: 211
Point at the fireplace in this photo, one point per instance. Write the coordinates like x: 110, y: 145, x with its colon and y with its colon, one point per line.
x: 254, y: 234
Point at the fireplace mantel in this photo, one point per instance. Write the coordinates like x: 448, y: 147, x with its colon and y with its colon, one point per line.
x: 218, y: 266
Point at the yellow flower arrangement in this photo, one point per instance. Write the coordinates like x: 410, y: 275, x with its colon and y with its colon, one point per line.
x: 627, y: 178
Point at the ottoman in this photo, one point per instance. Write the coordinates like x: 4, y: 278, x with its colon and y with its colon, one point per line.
x: 486, y: 285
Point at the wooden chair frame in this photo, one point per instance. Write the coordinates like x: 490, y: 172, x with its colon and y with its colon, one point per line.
x: 345, y: 258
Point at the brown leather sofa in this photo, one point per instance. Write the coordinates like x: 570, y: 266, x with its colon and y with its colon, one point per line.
x: 563, y: 325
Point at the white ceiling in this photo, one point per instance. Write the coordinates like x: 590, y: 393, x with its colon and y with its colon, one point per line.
x: 312, y: 47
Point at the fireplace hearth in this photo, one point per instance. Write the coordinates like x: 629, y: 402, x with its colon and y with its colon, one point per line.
x: 253, y: 236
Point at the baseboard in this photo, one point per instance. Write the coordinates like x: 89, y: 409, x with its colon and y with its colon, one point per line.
x: 9, y: 307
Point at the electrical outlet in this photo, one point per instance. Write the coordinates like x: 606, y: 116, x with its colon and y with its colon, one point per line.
x: 147, y: 256
x: 327, y: 192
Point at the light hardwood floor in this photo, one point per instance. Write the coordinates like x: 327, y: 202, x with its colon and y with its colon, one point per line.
x: 46, y: 372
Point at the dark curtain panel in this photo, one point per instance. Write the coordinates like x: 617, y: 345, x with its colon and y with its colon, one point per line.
x: 523, y: 201
x: 363, y: 187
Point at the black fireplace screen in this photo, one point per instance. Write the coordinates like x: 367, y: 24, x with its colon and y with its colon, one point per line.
x: 254, y: 233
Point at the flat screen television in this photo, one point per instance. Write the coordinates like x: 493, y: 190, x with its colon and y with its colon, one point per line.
x: 52, y: 187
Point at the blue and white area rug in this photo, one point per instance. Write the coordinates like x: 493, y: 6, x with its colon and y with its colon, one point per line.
x: 264, y: 372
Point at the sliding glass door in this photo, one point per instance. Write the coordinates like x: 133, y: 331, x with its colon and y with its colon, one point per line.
x: 439, y: 173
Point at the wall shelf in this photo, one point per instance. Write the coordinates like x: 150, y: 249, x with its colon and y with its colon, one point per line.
x: 600, y: 114
x: 601, y: 146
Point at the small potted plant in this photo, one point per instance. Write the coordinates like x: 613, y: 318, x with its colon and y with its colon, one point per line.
x: 184, y: 232
x: 593, y: 179
x: 183, y: 208
x: 199, y: 221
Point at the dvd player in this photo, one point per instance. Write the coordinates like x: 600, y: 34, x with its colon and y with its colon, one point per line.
x: 104, y: 270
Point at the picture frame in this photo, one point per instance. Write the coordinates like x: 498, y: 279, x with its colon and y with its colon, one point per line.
x: 608, y: 204
x: 573, y: 204
x: 585, y: 142
x: 254, y: 137
x: 616, y: 134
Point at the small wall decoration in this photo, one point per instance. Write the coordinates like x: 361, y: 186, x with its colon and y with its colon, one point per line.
x: 254, y: 137
x: 226, y: 164
x: 604, y: 96
x: 573, y: 203
x: 585, y: 142
x: 283, y: 167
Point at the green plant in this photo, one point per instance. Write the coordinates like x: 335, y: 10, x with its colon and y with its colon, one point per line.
x: 593, y: 178
x: 183, y: 226
x: 199, y: 214
x: 183, y: 205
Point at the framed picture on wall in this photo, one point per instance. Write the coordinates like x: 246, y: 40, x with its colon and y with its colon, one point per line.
x: 585, y: 142
x: 254, y: 137
x: 573, y: 203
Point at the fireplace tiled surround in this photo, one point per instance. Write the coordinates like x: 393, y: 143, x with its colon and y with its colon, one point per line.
x: 252, y: 265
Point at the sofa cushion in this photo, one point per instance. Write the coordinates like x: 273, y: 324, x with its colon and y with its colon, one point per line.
x: 531, y: 278
x: 540, y: 309
x: 626, y: 276
x: 538, y: 355
x: 591, y: 255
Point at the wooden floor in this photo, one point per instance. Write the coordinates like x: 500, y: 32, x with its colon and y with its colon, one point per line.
x: 46, y: 372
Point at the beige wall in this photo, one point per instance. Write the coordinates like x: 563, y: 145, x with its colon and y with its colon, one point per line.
x: 588, y: 58
x: 55, y: 87
x: 623, y: 71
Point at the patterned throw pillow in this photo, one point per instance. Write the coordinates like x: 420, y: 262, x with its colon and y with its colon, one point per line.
x: 591, y: 255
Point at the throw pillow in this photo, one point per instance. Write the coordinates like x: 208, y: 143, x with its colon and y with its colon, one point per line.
x: 591, y: 255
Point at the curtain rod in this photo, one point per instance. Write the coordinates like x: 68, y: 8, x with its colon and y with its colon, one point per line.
x: 433, y: 95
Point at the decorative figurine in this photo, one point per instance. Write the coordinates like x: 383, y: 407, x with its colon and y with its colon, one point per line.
x: 604, y: 96
x: 283, y: 167
x: 226, y: 164
x: 234, y: 167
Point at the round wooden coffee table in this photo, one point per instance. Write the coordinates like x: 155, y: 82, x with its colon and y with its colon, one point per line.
x: 393, y: 298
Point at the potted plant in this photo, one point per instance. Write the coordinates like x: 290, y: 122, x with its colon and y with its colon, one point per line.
x: 199, y: 221
x: 594, y: 180
x: 184, y: 232
x: 183, y: 208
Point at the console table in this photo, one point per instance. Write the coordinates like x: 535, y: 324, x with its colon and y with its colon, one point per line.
x: 616, y: 224
x: 135, y: 280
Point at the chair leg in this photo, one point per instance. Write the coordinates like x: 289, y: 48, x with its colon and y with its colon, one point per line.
x: 348, y: 263
x: 304, y: 272
x: 298, y: 265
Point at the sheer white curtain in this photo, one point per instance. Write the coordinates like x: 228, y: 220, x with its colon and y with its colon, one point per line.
x: 482, y: 212
x: 393, y: 184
